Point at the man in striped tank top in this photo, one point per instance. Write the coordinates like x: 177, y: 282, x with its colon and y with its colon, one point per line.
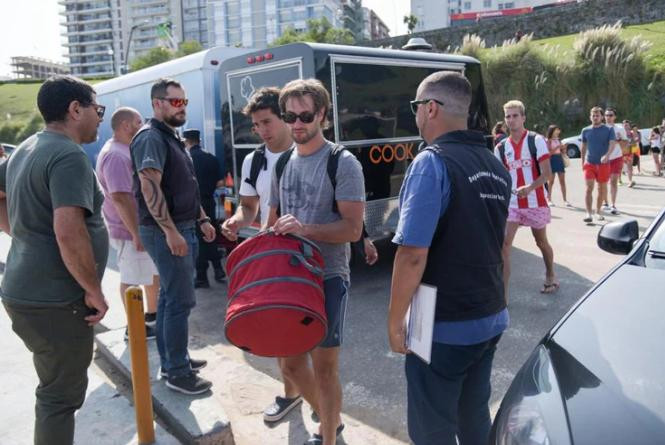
x: 526, y: 157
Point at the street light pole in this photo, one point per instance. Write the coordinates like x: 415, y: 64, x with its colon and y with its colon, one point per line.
x: 129, y: 41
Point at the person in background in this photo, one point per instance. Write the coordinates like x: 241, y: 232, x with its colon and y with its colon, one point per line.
x: 499, y: 132
x: 115, y: 173
x: 637, y: 148
x: 633, y: 141
x: 557, y: 153
x: 655, y: 140
x: 209, y: 176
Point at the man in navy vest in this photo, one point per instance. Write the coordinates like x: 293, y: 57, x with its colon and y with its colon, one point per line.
x: 453, y: 210
x: 169, y: 211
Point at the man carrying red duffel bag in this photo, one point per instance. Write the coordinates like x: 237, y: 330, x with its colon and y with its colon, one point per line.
x: 331, y: 215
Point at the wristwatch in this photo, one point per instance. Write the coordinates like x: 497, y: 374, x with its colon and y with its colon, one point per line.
x: 204, y: 220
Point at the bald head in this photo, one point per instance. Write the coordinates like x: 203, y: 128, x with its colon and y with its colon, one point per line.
x: 125, y: 123
x: 449, y: 87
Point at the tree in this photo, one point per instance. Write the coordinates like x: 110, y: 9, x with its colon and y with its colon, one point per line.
x: 153, y: 57
x: 318, y: 31
x: 188, y: 47
x: 411, y: 22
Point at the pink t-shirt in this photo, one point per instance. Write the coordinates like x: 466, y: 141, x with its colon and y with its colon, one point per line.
x: 115, y: 174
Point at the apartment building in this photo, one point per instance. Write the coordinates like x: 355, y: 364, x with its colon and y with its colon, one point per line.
x: 36, y: 68
x: 436, y: 14
x: 256, y: 23
x: 373, y: 27
x: 91, y: 32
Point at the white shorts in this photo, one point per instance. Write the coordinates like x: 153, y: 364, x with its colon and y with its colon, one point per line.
x: 136, y: 267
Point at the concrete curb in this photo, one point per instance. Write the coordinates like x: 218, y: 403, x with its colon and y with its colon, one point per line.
x: 195, y: 420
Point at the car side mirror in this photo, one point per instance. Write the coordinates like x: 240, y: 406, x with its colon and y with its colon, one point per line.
x: 618, y: 237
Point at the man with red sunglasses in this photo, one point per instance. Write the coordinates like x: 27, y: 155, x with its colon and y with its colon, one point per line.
x: 169, y: 211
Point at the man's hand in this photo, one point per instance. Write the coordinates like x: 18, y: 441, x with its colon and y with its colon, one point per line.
x: 96, y: 302
x: 523, y: 191
x: 397, y: 336
x: 288, y: 224
x: 138, y: 245
x: 605, y: 159
x: 208, y: 231
x: 230, y: 229
x: 371, y: 255
x: 176, y: 243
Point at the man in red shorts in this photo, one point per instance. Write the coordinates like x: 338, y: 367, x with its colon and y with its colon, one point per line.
x: 527, y: 158
x: 616, y: 158
x: 597, y: 139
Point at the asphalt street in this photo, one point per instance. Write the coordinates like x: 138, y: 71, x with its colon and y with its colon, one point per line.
x: 372, y: 376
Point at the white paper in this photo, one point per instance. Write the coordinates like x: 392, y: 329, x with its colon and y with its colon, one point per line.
x: 420, y: 322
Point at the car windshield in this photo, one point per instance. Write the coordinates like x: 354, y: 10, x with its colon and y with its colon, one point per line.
x: 655, y: 256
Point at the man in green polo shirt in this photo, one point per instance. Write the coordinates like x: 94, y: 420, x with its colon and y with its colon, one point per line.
x: 50, y: 204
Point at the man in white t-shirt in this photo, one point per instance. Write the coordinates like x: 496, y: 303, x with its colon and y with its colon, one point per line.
x: 528, y: 205
x: 263, y: 109
x: 616, y: 158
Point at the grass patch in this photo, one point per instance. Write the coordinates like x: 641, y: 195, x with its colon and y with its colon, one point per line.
x: 651, y: 32
x: 18, y: 101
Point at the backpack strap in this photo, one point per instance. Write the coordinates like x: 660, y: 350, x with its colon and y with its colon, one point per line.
x: 531, y: 140
x: 259, y: 162
x: 333, y: 161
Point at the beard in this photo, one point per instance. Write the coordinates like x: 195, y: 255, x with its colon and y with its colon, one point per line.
x: 176, y: 120
x: 304, y: 137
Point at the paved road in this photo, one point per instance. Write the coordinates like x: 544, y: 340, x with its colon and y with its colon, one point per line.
x: 372, y: 377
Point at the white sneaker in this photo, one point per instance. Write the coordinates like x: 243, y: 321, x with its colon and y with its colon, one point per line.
x: 600, y: 217
x: 614, y: 211
x: 605, y: 208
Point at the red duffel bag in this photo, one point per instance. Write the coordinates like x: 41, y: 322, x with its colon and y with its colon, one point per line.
x: 276, y: 304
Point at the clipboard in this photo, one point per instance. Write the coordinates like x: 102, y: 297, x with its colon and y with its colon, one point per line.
x: 420, y: 322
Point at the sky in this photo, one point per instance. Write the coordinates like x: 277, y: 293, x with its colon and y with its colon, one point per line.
x: 32, y: 27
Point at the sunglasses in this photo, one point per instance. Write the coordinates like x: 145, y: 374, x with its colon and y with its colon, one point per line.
x: 306, y: 117
x: 414, y: 104
x: 99, y: 109
x: 175, y: 101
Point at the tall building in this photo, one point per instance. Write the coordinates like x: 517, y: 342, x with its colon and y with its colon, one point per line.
x: 195, y: 21
x: 256, y: 23
x: 36, y: 68
x: 436, y: 14
x: 373, y: 26
x: 90, y: 27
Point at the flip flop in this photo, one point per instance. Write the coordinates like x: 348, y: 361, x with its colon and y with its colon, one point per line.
x: 549, y: 288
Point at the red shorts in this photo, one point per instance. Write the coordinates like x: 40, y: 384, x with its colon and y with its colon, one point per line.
x: 597, y: 172
x: 616, y: 165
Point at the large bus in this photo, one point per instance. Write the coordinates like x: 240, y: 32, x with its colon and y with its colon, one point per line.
x: 370, y: 90
x: 199, y: 74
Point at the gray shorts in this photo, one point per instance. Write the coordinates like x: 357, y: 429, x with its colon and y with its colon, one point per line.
x: 336, y: 291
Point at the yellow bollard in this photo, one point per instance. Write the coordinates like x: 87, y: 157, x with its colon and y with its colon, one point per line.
x: 140, y: 374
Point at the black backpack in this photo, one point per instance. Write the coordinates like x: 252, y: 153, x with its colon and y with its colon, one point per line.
x: 333, y: 160
x: 259, y: 162
x: 531, y: 140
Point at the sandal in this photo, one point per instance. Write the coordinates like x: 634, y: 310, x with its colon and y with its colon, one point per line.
x: 317, y: 439
x: 549, y: 288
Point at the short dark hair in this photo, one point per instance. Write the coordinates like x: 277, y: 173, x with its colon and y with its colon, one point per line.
x: 550, y: 131
x: 57, y: 92
x: 313, y: 88
x: 450, y: 87
x: 159, y: 88
x: 611, y: 110
x: 266, y: 98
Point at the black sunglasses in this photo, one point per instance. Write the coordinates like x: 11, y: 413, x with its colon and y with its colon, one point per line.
x: 99, y: 109
x: 306, y: 117
x: 414, y: 104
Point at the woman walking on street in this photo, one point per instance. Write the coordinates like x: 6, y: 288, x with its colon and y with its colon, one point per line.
x: 637, y: 150
x: 655, y: 142
x: 557, y: 153
x: 628, y: 152
x: 499, y: 132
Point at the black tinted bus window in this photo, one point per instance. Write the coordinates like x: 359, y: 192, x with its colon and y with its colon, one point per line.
x: 241, y: 88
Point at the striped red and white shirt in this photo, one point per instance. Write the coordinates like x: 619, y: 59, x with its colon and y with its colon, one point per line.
x: 523, y: 170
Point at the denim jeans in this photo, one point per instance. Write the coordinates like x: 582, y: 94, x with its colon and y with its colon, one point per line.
x: 176, y: 295
x: 61, y: 344
x: 450, y: 396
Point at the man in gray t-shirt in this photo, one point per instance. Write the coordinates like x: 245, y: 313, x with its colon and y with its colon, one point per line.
x: 50, y: 204
x: 305, y: 196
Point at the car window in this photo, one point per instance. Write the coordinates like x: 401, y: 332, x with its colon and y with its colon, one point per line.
x: 655, y: 255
